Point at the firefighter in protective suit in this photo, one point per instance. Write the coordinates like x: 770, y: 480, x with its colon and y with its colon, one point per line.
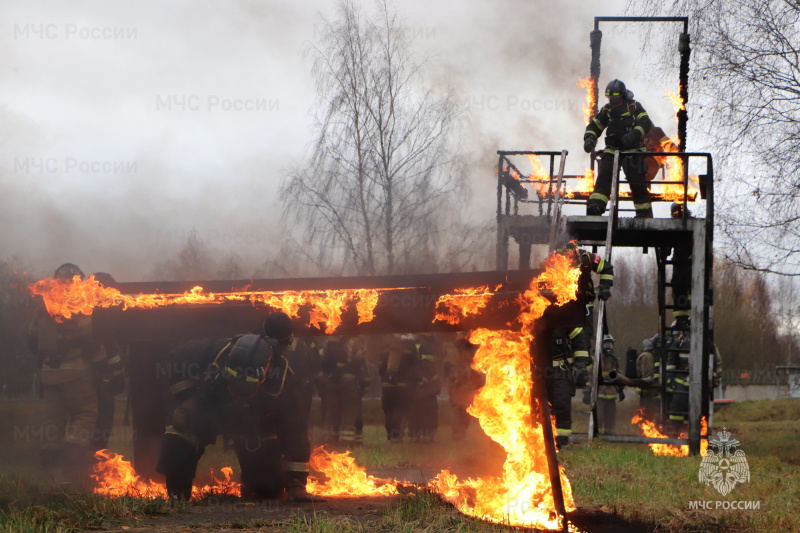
x: 607, y: 391
x: 244, y: 389
x: 626, y: 124
x: 398, y: 369
x: 589, y: 262
x: 345, y: 370
x: 109, y: 383
x: 423, y: 420
x: 463, y: 383
x: 72, y: 364
x: 570, y: 370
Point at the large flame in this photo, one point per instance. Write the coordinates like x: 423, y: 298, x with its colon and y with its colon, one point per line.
x: 590, y: 85
x: 505, y: 407
x: 465, y: 302
x: 522, y: 494
x: 116, y: 477
x: 649, y: 429
x: 674, y: 191
x: 64, y: 298
x: 345, y: 477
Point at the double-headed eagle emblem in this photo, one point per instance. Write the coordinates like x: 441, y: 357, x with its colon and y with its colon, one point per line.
x: 722, y: 467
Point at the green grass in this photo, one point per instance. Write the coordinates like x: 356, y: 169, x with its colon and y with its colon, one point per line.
x: 622, y: 479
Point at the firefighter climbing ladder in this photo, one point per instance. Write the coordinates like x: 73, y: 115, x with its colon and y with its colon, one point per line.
x: 695, y: 233
x: 612, y: 231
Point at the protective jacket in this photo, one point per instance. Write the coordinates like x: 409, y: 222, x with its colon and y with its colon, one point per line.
x: 619, y: 120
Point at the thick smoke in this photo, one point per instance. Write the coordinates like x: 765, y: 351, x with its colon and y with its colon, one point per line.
x: 128, y: 128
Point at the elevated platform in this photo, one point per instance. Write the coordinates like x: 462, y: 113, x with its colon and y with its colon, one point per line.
x: 633, y: 232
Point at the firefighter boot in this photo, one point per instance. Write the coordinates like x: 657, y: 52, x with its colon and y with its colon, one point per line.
x: 78, y: 461
x: 51, y: 460
x: 296, y: 488
x: 595, y: 207
x: 644, y: 213
x: 561, y: 441
x: 178, y: 462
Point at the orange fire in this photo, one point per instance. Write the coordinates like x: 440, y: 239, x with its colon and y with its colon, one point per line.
x: 649, y: 429
x: 464, y: 303
x: 539, y: 176
x: 65, y: 298
x: 522, y: 494
x: 590, y: 85
x: 116, y: 477
x: 345, y: 477
x: 674, y: 191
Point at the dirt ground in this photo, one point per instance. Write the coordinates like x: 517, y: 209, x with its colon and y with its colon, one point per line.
x: 242, y: 517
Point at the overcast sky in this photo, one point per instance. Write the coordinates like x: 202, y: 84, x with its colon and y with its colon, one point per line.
x: 127, y: 125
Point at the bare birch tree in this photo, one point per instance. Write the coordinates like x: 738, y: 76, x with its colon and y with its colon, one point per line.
x: 379, y: 174
x: 745, y: 100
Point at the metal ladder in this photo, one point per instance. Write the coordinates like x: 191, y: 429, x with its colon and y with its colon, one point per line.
x: 601, y: 307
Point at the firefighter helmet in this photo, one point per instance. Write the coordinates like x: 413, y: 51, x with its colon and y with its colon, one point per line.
x: 278, y: 325
x: 246, y: 366
x: 104, y: 278
x: 616, y: 92
x: 68, y: 271
x: 608, y: 338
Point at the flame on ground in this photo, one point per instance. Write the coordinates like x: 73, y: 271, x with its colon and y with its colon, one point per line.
x: 649, y: 429
x: 522, y: 495
x: 64, y: 298
x: 116, y: 478
x: 345, y: 477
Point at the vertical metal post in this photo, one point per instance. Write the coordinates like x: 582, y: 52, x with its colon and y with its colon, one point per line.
x: 501, y: 250
x: 555, y: 222
x: 683, y: 78
x: 598, y: 332
x: 595, y: 38
x: 539, y: 396
x: 699, y: 342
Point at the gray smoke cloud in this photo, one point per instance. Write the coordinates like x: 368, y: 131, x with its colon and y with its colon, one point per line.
x: 128, y: 127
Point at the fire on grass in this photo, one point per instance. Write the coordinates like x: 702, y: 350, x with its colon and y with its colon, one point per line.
x: 521, y: 495
x: 649, y: 429
x: 116, y: 477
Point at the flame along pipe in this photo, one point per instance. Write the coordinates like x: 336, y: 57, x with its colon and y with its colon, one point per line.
x: 406, y: 303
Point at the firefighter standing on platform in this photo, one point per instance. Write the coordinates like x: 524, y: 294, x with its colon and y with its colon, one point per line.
x: 245, y: 389
x: 626, y: 124
x: 73, y: 365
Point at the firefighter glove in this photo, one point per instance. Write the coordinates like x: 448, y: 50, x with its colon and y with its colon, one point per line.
x: 604, y: 293
x: 589, y: 142
x: 581, y: 375
x: 631, y: 138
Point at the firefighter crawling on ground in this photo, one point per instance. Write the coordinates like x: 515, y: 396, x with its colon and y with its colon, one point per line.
x: 250, y: 394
